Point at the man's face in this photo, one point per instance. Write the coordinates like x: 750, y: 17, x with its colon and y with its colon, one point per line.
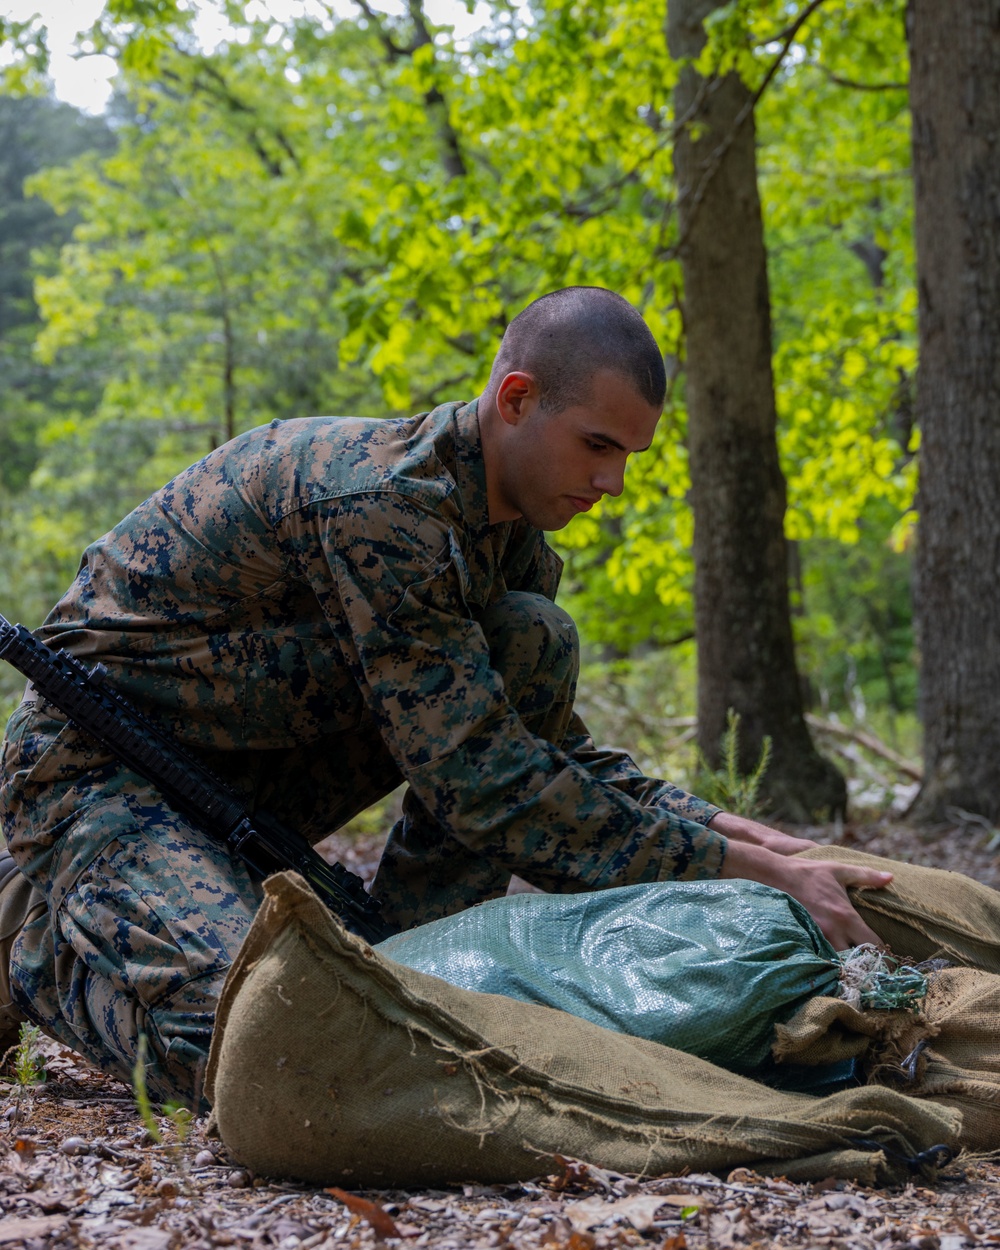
x: 553, y: 465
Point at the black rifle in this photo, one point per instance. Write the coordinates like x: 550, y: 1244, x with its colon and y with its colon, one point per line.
x: 266, y: 845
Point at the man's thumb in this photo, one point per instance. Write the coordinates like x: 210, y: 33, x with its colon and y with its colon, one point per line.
x: 867, y: 878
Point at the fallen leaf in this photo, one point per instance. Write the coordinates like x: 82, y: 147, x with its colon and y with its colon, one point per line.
x: 20, y: 1229
x: 823, y: 1186
x: 107, y: 1200
x: 381, y: 1221
x: 491, y: 1215
x: 724, y: 1234
x: 744, y: 1176
x: 574, y: 1173
x: 685, y: 1200
x: 50, y: 1201
x: 638, y: 1210
x: 430, y: 1204
x: 284, y: 1226
x: 567, y: 1238
x: 149, y: 1239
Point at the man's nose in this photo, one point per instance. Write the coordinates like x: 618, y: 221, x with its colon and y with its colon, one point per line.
x: 610, y: 479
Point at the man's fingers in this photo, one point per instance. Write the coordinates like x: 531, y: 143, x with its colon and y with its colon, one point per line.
x: 825, y: 895
x: 819, y: 884
x: 843, y: 927
x: 857, y: 933
x: 862, y: 878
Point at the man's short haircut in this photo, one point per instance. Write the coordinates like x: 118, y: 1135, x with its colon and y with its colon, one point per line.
x: 564, y: 338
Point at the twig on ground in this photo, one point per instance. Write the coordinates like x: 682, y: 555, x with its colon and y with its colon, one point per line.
x: 699, y: 1182
x: 870, y: 743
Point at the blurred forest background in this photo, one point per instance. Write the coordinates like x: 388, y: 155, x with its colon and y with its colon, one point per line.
x: 338, y: 210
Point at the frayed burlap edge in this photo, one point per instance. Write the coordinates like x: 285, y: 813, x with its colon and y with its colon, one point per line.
x: 501, y: 1075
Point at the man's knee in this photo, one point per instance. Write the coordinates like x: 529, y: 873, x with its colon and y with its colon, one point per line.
x: 137, y: 944
x: 535, y: 647
x: 520, y: 614
x: 171, y: 1038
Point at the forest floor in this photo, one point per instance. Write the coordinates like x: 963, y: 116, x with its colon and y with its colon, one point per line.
x: 79, y: 1167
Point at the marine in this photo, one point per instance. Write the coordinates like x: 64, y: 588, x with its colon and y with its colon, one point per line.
x: 324, y: 608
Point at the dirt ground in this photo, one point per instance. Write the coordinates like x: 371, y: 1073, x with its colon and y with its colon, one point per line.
x: 80, y: 1169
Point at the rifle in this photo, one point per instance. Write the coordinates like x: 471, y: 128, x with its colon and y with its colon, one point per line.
x: 267, y: 846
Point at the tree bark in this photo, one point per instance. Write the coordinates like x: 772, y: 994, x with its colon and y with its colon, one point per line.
x: 955, y: 101
x: 746, y: 656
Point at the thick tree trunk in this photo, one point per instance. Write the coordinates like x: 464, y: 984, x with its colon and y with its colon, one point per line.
x: 746, y: 655
x: 955, y: 99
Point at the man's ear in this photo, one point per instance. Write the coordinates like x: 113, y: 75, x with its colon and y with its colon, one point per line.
x: 517, y: 397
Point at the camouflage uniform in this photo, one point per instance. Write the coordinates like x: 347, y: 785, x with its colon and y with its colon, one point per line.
x: 321, y: 609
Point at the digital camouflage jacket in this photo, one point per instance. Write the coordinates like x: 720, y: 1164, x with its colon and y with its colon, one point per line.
x: 318, y: 573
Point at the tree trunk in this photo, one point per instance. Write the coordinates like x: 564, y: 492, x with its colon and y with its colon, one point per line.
x: 746, y: 656
x: 955, y: 100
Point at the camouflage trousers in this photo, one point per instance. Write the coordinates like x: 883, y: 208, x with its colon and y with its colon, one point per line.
x: 144, y: 912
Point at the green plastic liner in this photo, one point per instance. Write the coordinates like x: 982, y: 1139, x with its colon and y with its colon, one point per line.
x: 707, y: 967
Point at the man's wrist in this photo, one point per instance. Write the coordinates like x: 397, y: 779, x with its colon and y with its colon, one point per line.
x: 737, y: 827
x: 754, y: 863
x: 753, y: 833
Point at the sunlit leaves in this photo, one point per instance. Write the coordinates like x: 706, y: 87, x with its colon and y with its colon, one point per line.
x: 843, y: 396
x: 25, y: 56
x: 284, y: 210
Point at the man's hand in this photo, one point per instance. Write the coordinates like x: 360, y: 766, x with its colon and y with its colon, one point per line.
x: 819, y: 885
x: 740, y: 829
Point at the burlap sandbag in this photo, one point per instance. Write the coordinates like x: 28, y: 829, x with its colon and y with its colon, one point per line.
x: 332, y: 1065
x: 926, y: 913
x: 830, y: 1030
x: 948, y: 1052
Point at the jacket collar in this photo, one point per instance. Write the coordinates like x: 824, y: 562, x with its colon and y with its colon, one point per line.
x: 470, y: 468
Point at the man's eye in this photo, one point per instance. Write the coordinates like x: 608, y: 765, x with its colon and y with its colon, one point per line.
x: 594, y: 446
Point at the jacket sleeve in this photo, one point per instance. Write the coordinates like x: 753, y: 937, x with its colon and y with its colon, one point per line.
x: 423, y: 666
x: 533, y: 566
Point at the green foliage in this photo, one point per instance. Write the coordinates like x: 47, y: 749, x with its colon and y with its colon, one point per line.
x: 856, y: 639
x: 176, y: 1113
x: 34, y: 132
x: 727, y: 787
x: 339, y: 213
x: 25, y: 56
x: 141, y: 1092
x: 26, y: 1061
x: 642, y: 702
